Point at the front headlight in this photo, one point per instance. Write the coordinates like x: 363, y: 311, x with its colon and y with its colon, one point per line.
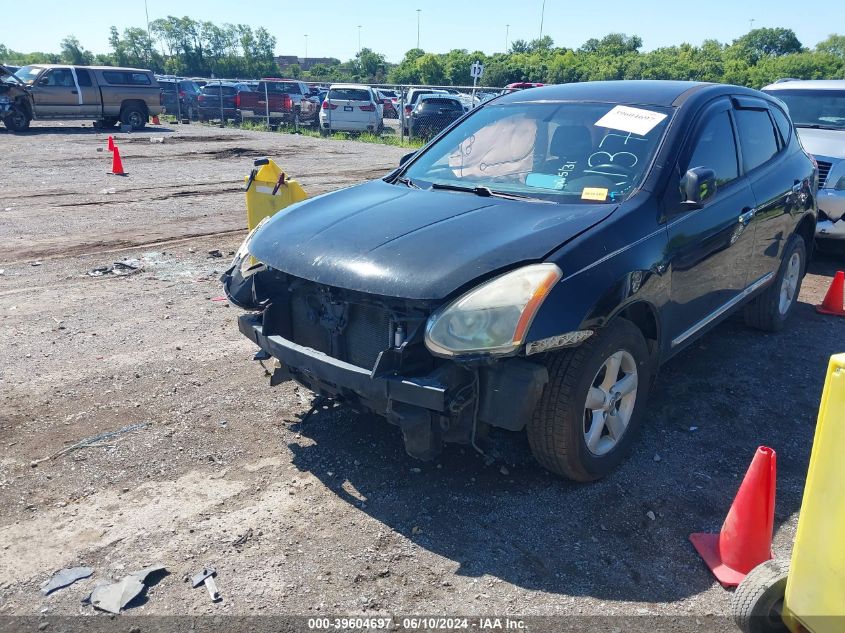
x: 494, y: 317
x: 247, y: 264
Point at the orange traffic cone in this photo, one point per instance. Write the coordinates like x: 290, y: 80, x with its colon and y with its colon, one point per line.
x: 155, y: 120
x: 833, y: 300
x: 746, y: 537
x: 111, y: 143
x: 116, y: 163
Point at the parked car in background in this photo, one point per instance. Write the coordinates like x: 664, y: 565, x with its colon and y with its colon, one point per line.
x: 411, y: 100
x: 532, y: 268
x: 181, y: 97
x: 289, y: 100
x: 433, y: 113
x: 817, y: 109
x: 389, y: 102
x: 351, y: 108
x: 106, y: 94
x: 221, y: 101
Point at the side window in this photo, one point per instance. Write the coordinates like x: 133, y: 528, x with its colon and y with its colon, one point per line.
x: 784, y: 126
x: 715, y: 148
x: 60, y: 77
x: 756, y: 137
x: 84, y: 78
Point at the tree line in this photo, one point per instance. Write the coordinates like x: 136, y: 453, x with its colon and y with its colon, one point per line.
x: 183, y: 46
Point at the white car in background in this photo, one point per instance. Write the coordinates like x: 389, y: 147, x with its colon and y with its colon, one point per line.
x: 351, y: 108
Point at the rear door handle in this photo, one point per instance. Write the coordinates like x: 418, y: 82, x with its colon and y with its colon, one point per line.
x: 746, y: 215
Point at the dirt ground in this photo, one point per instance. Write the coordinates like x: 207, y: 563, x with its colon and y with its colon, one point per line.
x: 326, y: 516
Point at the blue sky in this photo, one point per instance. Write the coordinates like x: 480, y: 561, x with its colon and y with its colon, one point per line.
x: 390, y: 26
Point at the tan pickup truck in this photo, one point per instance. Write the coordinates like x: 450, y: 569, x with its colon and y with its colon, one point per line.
x: 106, y: 94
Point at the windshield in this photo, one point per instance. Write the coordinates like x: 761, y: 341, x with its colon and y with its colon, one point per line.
x: 27, y: 74
x: 810, y: 108
x: 566, y: 152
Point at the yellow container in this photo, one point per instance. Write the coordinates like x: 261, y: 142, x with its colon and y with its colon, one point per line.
x: 269, y: 190
x: 815, y: 587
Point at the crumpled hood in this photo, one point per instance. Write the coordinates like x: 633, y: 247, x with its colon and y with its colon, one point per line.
x: 415, y: 244
x: 827, y: 143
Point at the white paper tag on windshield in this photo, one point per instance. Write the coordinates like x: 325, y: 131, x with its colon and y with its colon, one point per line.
x: 634, y: 120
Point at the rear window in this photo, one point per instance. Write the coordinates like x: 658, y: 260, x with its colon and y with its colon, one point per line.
x: 215, y: 90
x: 442, y: 103
x: 349, y: 94
x: 289, y: 88
x: 126, y: 78
x: 167, y: 86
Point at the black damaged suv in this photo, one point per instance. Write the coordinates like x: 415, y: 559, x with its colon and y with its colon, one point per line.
x: 532, y: 267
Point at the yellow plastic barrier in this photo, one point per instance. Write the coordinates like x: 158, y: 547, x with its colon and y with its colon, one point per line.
x: 269, y: 190
x: 815, y: 588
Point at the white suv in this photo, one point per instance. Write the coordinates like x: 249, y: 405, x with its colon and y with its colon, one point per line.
x: 351, y: 108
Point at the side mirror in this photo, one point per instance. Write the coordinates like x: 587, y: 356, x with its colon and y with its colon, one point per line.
x: 44, y: 81
x: 697, y: 186
x: 406, y: 158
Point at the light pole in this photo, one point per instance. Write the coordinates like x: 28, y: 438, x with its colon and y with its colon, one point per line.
x: 418, y: 27
x: 751, y: 24
x: 306, y: 48
x: 359, y: 41
x: 542, y: 16
x: 507, y: 33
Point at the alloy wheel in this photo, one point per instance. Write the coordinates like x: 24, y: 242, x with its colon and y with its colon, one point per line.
x: 789, y: 284
x: 610, y: 403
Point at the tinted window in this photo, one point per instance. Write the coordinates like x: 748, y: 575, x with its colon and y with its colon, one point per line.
x: 167, y: 86
x: 84, y: 78
x: 715, y: 149
x: 349, y: 94
x: 283, y: 88
x: 125, y: 77
x: 784, y: 126
x: 215, y: 90
x: 442, y: 103
x: 756, y: 137
x: 188, y: 86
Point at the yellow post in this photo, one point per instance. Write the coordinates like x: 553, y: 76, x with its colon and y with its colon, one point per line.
x: 268, y: 191
x: 815, y: 588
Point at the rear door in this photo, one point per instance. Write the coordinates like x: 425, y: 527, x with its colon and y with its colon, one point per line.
x: 709, y: 248
x: 780, y: 176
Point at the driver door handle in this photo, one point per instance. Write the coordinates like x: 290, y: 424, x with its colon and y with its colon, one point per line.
x: 746, y: 215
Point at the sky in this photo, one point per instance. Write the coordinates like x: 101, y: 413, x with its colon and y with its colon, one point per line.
x: 390, y: 27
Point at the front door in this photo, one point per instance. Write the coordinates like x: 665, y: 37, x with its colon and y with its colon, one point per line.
x: 55, y: 94
x: 709, y: 248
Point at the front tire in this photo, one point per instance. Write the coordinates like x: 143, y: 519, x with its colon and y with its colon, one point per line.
x: 771, y: 308
x: 758, y: 601
x: 590, y: 409
x: 17, y: 120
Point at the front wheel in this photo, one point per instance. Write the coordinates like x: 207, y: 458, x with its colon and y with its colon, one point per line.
x: 771, y: 308
x: 17, y: 120
x: 757, y: 603
x: 591, y: 407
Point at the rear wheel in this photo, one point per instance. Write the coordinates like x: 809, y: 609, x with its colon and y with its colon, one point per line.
x: 590, y: 409
x: 135, y: 116
x: 771, y: 308
x: 757, y: 603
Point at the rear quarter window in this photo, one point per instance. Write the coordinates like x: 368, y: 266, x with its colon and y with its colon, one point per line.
x: 784, y: 126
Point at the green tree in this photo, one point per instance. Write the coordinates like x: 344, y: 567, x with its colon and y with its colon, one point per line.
x: 431, y: 69
x: 760, y: 43
x: 833, y: 45
x: 73, y: 53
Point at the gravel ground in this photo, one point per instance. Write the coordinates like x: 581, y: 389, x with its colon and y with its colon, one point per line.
x: 325, y: 516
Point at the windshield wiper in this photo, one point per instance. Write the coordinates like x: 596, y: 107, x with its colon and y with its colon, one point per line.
x: 486, y: 192
x: 407, y: 182
x: 817, y: 126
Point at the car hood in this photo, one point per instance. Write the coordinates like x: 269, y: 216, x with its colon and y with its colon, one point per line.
x: 415, y: 244
x: 827, y: 143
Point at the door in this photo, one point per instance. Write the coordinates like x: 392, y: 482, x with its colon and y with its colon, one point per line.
x: 710, y: 247
x: 779, y: 178
x: 90, y: 93
x: 55, y: 94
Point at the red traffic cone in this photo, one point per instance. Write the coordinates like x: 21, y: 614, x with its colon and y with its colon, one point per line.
x: 833, y: 300
x: 116, y: 163
x: 111, y: 143
x: 155, y: 120
x: 746, y: 537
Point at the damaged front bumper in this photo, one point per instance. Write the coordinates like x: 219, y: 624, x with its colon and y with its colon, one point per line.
x: 447, y: 404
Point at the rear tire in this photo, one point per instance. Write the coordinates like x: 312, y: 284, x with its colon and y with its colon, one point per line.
x: 757, y: 604
x: 771, y: 308
x: 585, y: 398
x: 135, y: 116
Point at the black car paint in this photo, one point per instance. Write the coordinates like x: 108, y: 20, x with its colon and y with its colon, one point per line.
x: 663, y: 264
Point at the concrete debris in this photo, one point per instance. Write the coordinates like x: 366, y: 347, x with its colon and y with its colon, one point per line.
x: 651, y: 515
x: 215, y: 253
x: 118, y: 269
x: 64, y: 578
x: 114, y: 597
